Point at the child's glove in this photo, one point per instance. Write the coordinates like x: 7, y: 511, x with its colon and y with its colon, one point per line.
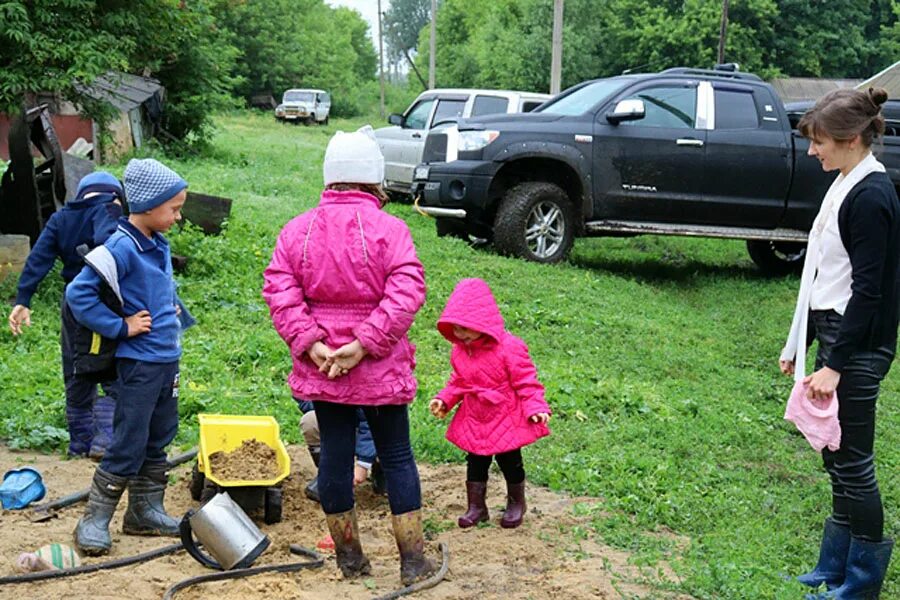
x: 540, y: 418
x: 438, y: 408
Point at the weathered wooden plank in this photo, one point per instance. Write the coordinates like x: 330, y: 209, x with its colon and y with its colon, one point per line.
x: 207, y: 212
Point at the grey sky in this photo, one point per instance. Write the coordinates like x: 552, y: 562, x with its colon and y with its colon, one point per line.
x: 368, y: 9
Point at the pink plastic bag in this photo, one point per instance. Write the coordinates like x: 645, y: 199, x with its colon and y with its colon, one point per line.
x: 816, y: 420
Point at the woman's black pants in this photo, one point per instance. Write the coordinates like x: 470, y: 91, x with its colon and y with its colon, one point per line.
x: 856, y: 500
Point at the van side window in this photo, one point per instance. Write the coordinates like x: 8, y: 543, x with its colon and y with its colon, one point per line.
x: 418, y: 115
x: 735, y: 109
x: 448, y: 109
x: 489, y: 105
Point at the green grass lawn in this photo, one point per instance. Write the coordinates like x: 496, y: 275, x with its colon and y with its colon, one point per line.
x: 659, y: 356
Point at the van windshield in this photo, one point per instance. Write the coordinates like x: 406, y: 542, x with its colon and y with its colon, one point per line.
x: 298, y: 97
x: 583, y: 99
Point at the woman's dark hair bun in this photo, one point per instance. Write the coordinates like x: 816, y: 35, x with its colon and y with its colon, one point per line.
x: 877, y: 96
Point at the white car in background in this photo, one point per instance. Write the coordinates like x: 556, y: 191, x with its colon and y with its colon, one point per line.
x: 304, y: 106
x: 402, y: 143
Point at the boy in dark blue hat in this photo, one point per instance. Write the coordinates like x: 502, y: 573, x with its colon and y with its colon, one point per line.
x: 137, y: 257
x: 87, y: 219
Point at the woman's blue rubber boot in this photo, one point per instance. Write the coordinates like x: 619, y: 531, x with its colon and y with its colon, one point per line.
x: 832, y: 557
x: 867, y: 564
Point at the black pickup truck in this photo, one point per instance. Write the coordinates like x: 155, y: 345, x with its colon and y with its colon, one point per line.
x: 689, y: 152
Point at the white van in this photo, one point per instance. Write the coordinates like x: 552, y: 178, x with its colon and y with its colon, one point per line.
x: 403, y: 142
x: 304, y: 106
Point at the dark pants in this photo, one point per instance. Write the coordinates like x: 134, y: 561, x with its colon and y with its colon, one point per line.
x: 856, y: 500
x: 390, y: 431
x: 510, y: 464
x: 146, y: 419
x: 80, y: 393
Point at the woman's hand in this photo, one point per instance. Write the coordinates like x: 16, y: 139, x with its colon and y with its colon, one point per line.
x: 360, y: 474
x: 139, y: 323
x: 20, y: 314
x: 318, y: 353
x: 438, y: 408
x: 540, y: 418
x: 345, y: 358
x: 822, y: 384
x: 787, y: 366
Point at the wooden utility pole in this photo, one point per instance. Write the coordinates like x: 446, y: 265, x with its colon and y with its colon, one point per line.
x: 723, y: 28
x: 432, y: 45
x: 556, y: 50
x: 381, y: 54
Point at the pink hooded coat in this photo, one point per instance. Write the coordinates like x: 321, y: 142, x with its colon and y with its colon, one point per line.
x: 494, y: 381
x: 347, y: 270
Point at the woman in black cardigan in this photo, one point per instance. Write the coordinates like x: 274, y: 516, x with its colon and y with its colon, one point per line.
x: 850, y: 297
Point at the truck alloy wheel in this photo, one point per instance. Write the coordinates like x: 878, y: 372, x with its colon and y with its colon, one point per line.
x: 535, y: 221
x: 777, y: 258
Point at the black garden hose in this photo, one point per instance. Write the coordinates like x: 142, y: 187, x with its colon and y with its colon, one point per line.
x: 110, y: 564
x: 317, y: 562
x: 426, y: 583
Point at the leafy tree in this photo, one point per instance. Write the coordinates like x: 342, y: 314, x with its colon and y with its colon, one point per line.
x: 403, y: 20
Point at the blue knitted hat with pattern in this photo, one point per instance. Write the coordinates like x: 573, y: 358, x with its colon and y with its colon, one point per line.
x: 149, y: 183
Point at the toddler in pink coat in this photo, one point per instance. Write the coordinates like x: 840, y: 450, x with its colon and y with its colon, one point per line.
x: 501, y: 402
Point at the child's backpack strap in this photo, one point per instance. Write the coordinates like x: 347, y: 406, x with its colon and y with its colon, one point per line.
x: 102, y: 261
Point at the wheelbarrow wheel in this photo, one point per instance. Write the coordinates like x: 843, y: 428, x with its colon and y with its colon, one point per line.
x: 273, y: 505
x: 198, y: 480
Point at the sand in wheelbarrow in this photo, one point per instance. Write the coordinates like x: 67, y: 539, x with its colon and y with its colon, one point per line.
x: 252, y: 460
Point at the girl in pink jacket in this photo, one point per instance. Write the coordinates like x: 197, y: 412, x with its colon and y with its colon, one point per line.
x: 501, y: 402
x: 343, y: 288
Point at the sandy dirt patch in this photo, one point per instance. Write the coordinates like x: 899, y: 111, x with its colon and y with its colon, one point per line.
x: 541, y: 559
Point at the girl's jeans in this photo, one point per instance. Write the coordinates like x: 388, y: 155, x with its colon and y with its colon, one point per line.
x: 510, y: 464
x: 390, y: 430
x: 856, y: 500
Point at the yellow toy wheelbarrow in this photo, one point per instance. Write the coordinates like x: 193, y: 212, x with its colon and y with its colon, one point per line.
x: 226, y: 433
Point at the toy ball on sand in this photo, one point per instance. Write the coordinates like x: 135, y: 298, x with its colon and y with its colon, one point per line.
x: 45, y: 558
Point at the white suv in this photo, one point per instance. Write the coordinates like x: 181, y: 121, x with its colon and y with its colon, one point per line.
x: 403, y: 142
x: 304, y: 106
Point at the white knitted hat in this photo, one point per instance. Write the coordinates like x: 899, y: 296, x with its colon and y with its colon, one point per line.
x: 354, y: 158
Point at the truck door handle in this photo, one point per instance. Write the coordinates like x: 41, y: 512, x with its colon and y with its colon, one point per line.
x: 689, y: 142
x: 417, y: 135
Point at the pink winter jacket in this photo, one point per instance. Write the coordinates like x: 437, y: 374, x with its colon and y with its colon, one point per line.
x: 347, y: 270
x: 494, y: 381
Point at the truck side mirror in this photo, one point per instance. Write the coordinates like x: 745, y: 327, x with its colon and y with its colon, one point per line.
x: 396, y: 119
x: 627, y: 110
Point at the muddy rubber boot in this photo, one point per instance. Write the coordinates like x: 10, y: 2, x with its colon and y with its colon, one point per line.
x: 312, y: 487
x: 92, y: 532
x: 104, y: 409
x: 146, y: 514
x: 832, y: 557
x: 515, y: 506
x: 81, y: 424
x: 347, y: 547
x: 414, y: 566
x: 476, y: 491
x: 867, y: 564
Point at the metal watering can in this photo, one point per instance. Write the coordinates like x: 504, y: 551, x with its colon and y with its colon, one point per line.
x: 226, y: 531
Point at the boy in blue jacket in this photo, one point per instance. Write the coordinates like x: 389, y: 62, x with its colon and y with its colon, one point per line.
x: 137, y: 257
x: 87, y: 219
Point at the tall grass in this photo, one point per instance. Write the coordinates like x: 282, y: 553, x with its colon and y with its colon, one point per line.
x: 659, y: 356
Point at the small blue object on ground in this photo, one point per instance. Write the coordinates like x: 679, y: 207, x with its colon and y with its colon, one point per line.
x: 21, y: 487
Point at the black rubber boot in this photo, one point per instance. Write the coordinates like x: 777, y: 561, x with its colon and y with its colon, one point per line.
x: 347, y: 546
x: 477, y: 512
x: 146, y: 514
x: 92, y: 532
x: 414, y: 566
x: 832, y: 557
x: 515, y: 506
x: 103, y: 412
x: 312, y: 487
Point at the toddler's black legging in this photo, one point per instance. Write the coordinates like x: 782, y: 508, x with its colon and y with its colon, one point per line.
x: 510, y: 463
x: 856, y: 500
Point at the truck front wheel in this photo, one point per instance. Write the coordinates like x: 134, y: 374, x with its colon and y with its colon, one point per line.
x: 777, y: 258
x: 535, y: 221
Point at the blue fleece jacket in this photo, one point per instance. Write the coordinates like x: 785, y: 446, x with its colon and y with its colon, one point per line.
x: 365, y: 445
x: 144, y: 273
x: 81, y: 221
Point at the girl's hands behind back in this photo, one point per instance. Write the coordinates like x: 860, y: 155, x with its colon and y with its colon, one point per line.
x: 540, y: 418
x: 345, y: 358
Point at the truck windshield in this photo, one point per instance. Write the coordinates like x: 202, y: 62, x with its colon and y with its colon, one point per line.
x: 298, y: 97
x: 582, y: 100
